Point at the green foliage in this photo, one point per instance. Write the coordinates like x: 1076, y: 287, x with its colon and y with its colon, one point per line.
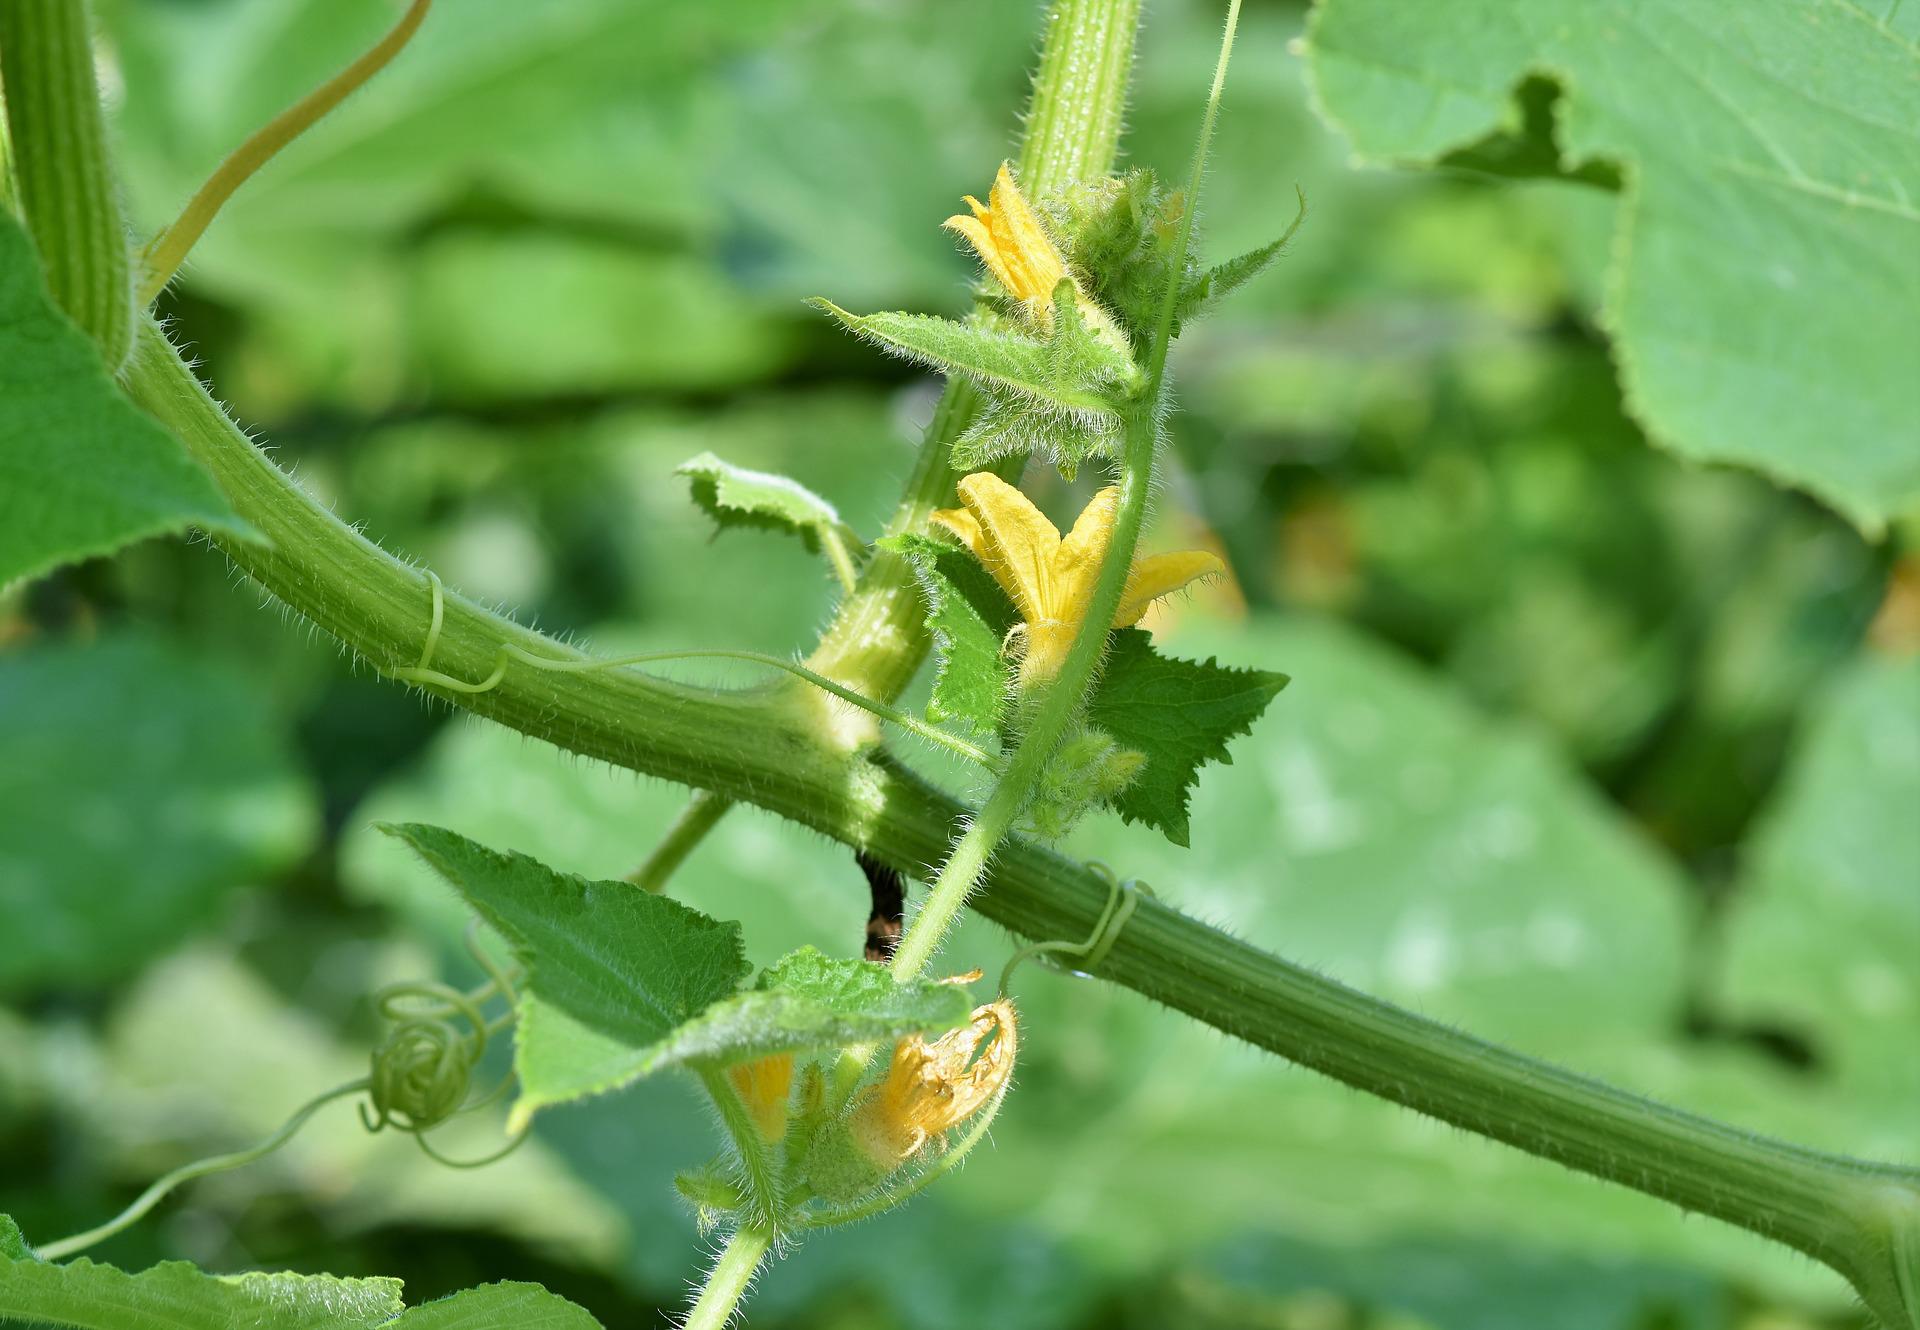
x: 1756, y: 314
x: 82, y: 473
x: 968, y: 618
x: 611, y: 970
x: 90, y: 1296
x: 808, y: 1002
x: 1180, y: 713
x: 143, y: 786
x: 1057, y: 396
x: 1822, y: 939
x: 734, y: 496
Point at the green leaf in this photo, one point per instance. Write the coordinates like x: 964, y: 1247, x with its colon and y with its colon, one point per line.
x: 502, y: 1306
x: 733, y: 496
x: 1759, y: 313
x: 82, y: 472
x: 176, y: 1295
x: 968, y: 618
x: 1006, y: 360
x: 142, y: 787
x: 1823, y: 937
x: 809, y: 1001
x: 611, y: 970
x: 1180, y: 713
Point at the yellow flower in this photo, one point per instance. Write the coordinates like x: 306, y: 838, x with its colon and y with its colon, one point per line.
x: 932, y: 1088
x: 763, y: 1086
x: 1011, y: 242
x: 1051, y: 580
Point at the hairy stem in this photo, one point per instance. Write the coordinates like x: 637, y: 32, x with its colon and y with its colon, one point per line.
x: 729, y: 1279
x: 698, y: 818
x: 66, y: 187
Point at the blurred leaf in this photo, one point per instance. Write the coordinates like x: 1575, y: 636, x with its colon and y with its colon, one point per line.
x: 530, y: 314
x: 734, y: 496
x: 1823, y: 935
x: 1180, y: 713
x: 142, y: 787
x: 809, y: 1002
x: 82, y: 472
x: 1760, y: 315
x: 611, y: 970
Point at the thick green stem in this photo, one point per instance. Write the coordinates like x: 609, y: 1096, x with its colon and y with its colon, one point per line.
x: 66, y: 188
x: 727, y: 1282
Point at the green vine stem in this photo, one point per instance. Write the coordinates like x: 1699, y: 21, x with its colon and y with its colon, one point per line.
x: 703, y: 811
x: 66, y: 185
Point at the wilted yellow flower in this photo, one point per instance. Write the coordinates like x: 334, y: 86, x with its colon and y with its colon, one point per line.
x: 1015, y: 247
x: 1051, y: 580
x: 931, y: 1088
x: 763, y: 1086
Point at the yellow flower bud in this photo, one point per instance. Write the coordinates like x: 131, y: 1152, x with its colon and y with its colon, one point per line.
x: 931, y: 1088
x: 763, y: 1086
x: 1009, y: 239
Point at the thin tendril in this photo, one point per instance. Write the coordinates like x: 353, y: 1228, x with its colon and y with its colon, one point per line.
x: 1123, y: 898
x: 422, y: 673
x: 152, y: 1196
x: 169, y: 249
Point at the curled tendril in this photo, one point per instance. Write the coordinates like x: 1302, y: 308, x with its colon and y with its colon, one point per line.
x: 422, y: 1072
x: 1123, y: 898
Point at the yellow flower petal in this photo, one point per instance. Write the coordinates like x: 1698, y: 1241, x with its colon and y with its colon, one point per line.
x: 960, y: 522
x: 1008, y: 236
x: 1161, y: 575
x: 1076, y: 568
x: 1017, y: 543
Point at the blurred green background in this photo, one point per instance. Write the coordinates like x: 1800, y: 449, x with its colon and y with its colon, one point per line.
x: 1605, y: 755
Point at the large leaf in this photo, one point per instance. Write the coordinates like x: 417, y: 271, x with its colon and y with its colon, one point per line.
x: 175, y: 1295
x: 1762, y: 305
x: 1823, y: 938
x: 141, y: 787
x: 81, y: 471
x: 611, y: 969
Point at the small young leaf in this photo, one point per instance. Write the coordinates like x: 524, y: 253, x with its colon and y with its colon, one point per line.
x: 82, y: 472
x: 968, y: 618
x: 1180, y: 713
x: 734, y: 496
x: 807, y: 1001
x: 611, y: 970
x: 1010, y: 360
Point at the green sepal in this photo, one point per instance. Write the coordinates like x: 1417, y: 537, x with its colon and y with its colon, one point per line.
x: 734, y: 496
x: 1223, y: 279
x: 968, y: 619
x: 1180, y: 713
x: 1058, y: 396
